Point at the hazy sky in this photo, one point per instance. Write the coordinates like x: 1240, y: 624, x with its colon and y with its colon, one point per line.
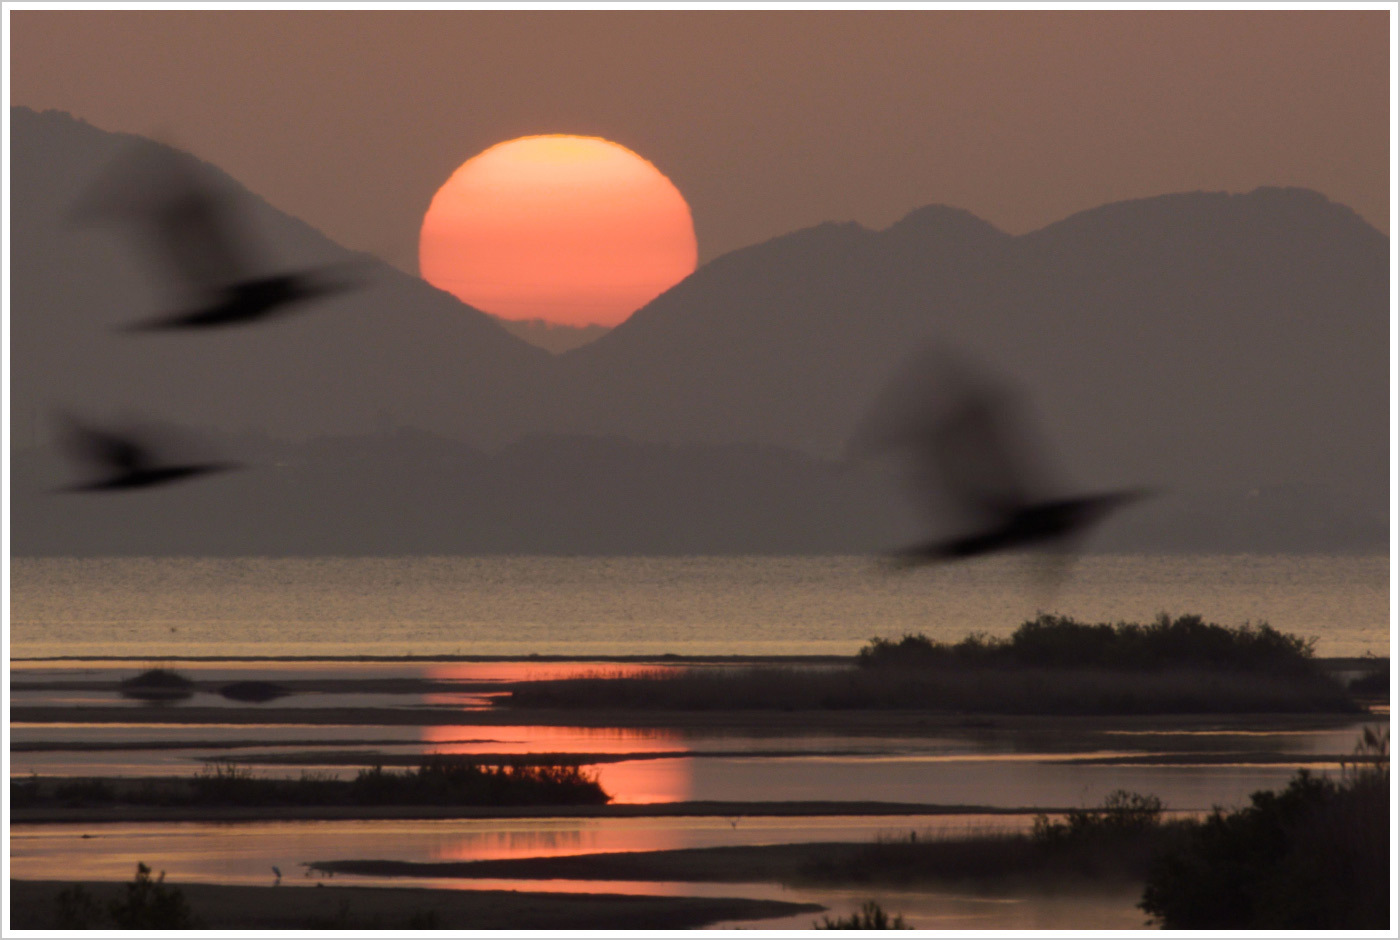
x: 766, y: 121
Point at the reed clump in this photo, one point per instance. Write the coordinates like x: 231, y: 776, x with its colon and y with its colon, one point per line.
x: 157, y: 685
x: 871, y: 916
x: 1115, y: 841
x: 439, y: 780
x: 1051, y: 665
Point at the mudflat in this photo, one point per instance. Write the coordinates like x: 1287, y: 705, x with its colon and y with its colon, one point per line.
x: 125, y: 812
x: 34, y: 906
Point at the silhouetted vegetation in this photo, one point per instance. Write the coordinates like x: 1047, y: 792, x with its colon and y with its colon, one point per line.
x: 24, y: 792
x: 157, y: 685
x: 76, y: 909
x: 1373, y: 683
x: 84, y: 792
x: 1122, y: 814
x: 1314, y: 856
x: 1055, y: 641
x: 255, y: 691
x: 443, y: 779
x: 1116, y: 841
x: 1051, y: 665
x: 439, y: 780
x: 146, y: 904
x: 870, y: 917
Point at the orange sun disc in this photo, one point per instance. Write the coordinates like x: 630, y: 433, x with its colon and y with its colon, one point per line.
x: 571, y: 230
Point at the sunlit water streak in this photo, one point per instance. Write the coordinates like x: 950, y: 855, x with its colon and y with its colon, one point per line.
x: 244, y: 853
x: 626, y: 606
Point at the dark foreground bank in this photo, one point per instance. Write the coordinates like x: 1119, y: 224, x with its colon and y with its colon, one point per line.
x: 35, y: 905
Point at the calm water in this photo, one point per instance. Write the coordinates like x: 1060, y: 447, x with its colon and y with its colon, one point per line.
x: 617, y: 606
x: 156, y: 609
x: 246, y: 853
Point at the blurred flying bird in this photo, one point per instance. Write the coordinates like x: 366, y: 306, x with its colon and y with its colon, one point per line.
x: 122, y: 462
x: 278, y: 872
x: 196, y: 235
x: 972, y: 454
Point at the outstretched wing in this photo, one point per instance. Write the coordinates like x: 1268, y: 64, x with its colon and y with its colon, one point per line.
x: 967, y: 439
x: 104, y: 450
x: 199, y: 233
x: 172, y: 208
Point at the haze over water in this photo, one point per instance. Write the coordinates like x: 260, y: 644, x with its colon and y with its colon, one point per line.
x: 575, y: 606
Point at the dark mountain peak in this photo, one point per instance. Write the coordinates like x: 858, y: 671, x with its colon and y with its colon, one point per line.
x: 1192, y: 214
x: 826, y: 236
x: 1288, y: 200
x: 939, y: 223
x: 49, y: 117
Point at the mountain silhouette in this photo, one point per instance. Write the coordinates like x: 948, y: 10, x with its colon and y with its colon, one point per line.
x: 195, y: 240
x: 395, y: 348
x: 1229, y: 350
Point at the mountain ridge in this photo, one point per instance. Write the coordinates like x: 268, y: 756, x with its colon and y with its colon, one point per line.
x: 1196, y: 342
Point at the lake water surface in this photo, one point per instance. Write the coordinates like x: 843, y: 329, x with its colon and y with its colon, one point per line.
x: 99, y: 615
x: 515, y: 606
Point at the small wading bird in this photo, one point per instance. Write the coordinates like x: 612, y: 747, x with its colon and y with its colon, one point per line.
x: 193, y: 232
x: 121, y: 462
x: 971, y: 454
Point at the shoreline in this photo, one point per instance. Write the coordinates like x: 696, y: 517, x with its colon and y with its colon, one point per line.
x: 120, y: 813
x: 870, y: 720
x: 1341, y: 663
x: 34, y: 904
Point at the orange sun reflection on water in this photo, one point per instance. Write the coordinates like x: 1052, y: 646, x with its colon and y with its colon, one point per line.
x: 650, y: 780
x: 647, y: 780
x: 517, y: 671
x: 659, y: 780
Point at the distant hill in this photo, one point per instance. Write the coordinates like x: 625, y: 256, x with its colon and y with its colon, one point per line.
x: 395, y: 350
x: 406, y: 492
x: 409, y: 492
x: 1230, y: 350
x: 1203, y: 338
x: 554, y: 337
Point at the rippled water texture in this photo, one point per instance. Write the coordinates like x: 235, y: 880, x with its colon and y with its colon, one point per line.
x: 650, y: 606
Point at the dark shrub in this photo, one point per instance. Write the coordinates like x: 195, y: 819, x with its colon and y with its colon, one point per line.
x: 1122, y: 814
x: 252, y: 691
x: 1373, y: 683
x: 89, y: 792
x: 1314, y: 856
x: 75, y: 909
x: 157, y: 685
x: 24, y: 792
x: 149, y: 905
x: 1060, y: 642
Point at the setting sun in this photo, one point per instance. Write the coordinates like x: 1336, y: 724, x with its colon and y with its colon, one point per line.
x: 571, y: 230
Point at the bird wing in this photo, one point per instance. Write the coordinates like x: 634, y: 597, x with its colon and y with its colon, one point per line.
x: 966, y: 437
x: 114, y: 453
x: 197, y: 232
x: 979, y: 454
x: 184, y: 225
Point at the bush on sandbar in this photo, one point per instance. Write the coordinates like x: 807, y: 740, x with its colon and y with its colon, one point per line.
x: 1052, y: 640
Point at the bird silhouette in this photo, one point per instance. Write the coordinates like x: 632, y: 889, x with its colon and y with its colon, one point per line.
x: 972, y: 453
x: 120, y: 461
x: 278, y: 872
x: 195, y: 235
